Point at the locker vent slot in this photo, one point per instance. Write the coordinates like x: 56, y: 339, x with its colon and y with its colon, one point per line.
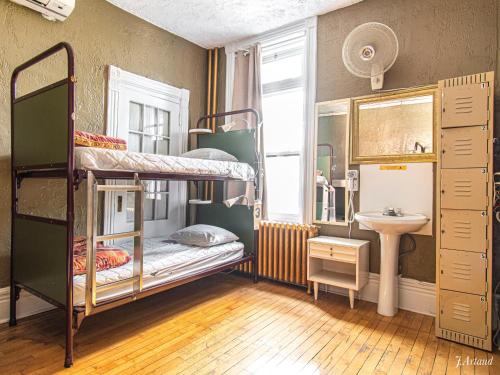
x: 461, y: 311
x: 462, y: 229
x: 462, y: 147
x: 463, y: 339
x: 461, y: 271
x: 463, y: 105
x: 462, y: 188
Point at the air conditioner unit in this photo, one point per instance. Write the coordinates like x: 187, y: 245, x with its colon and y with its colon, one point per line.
x: 53, y: 10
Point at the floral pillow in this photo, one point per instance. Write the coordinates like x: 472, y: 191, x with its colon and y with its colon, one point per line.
x: 97, y: 140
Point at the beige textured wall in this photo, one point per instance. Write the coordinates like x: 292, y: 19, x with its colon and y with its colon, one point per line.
x: 438, y: 39
x: 100, y: 34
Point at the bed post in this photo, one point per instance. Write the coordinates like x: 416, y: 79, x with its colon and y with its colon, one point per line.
x: 70, y: 205
x: 14, y: 292
x: 255, y: 258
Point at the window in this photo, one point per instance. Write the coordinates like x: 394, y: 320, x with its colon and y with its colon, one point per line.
x: 283, y: 111
x: 149, y: 132
x: 288, y: 77
x: 153, y: 117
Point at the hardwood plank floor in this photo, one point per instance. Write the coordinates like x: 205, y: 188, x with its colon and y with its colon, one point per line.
x: 227, y: 325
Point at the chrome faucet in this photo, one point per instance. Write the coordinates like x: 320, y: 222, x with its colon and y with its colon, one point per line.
x: 390, y: 211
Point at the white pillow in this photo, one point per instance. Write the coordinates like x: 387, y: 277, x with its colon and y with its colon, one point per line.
x: 203, y: 235
x: 209, y: 154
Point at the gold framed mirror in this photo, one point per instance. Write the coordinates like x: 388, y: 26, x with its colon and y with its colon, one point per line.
x: 395, y: 127
x: 331, y: 162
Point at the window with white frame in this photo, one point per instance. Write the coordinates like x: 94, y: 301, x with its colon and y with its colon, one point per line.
x: 153, y: 117
x: 283, y: 87
x: 288, y: 75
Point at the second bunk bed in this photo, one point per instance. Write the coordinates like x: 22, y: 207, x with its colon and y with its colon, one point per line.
x: 43, y: 248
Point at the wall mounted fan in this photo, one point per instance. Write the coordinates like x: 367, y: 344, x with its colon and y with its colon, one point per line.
x: 369, y: 51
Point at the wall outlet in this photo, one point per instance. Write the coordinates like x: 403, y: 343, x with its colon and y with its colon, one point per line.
x: 352, y: 180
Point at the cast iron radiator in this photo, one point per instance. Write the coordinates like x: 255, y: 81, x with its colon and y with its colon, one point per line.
x: 283, y: 252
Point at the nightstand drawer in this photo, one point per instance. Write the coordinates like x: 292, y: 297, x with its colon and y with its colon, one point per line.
x: 333, y: 252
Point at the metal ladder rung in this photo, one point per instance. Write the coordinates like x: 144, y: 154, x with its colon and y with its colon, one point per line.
x: 116, y: 236
x: 120, y: 187
x: 114, y: 284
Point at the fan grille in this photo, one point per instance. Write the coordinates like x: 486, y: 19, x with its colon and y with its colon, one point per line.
x: 375, y: 38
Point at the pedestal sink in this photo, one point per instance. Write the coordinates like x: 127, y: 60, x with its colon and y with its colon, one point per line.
x: 390, y: 229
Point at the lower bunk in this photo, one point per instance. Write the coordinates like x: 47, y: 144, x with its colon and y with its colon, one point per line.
x: 164, y: 262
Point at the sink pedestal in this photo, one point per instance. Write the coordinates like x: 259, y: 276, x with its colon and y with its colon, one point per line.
x: 390, y: 229
x: 388, y: 283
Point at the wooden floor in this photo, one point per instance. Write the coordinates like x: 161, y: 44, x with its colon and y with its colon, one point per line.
x: 226, y: 324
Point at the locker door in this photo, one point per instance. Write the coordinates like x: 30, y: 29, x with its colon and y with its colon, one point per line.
x: 465, y: 105
x: 464, y: 147
x: 462, y: 312
x: 464, y: 188
x: 464, y: 230
x: 463, y: 271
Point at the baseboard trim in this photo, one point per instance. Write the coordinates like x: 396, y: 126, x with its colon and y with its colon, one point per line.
x: 416, y: 296
x: 27, y: 305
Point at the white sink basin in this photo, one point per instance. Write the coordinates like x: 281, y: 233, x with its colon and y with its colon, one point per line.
x: 391, y: 224
x: 390, y: 229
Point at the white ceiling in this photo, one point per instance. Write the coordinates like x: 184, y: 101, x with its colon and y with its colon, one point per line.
x: 215, y: 23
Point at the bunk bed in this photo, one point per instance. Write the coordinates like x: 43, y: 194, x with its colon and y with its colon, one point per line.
x: 42, y: 139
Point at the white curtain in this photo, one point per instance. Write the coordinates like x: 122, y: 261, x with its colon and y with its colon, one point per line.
x: 247, y: 93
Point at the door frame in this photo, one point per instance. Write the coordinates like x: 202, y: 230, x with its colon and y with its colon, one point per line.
x: 120, y: 81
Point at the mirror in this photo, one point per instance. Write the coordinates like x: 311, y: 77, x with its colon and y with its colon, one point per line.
x: 331, y: 161
x: 395, y: 127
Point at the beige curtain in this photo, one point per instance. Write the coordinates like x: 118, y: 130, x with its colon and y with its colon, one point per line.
x: 247, y: 93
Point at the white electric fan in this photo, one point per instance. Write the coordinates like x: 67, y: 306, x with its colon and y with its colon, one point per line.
x: 369, y: 51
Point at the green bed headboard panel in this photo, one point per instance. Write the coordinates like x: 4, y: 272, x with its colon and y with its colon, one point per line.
x: 237, y: 219
x: 41, y: 127
x: 240, y: 143
x: 40, y: 257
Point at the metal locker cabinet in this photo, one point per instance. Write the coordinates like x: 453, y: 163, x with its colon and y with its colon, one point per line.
x: 464, y: 188
x: 465, y: 105
x: 463, y: 271
x: 462, y: 312
x: 464, y: 210
x: 464, y: 230
x: 464, y: 147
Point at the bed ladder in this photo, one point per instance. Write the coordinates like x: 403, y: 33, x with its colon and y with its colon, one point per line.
x: 93, y: 188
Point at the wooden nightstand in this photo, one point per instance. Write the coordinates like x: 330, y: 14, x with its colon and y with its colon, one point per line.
x: 340, y: 262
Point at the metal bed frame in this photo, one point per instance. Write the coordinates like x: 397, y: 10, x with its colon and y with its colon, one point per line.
x: 54, y: 237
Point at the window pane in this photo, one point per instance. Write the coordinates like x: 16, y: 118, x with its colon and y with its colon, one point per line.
x: 162, y: 145
x: 149, y: 207
x: 162, y: 186
x: 283, y: 121
x: 161, y: 209
x: 135, y: 116
x: 134, y: 142
x: 130, y: 207
x: 282, y: 68
x: 283, y: 185
x: 150, y: 120
x: 163, y: 123
x: 148, y: 144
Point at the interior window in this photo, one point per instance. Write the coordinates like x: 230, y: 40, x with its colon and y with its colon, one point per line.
x: 283, y: 84
x: 149, y: 132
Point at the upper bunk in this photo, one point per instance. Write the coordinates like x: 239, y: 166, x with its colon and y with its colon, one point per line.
x: 43, y: 127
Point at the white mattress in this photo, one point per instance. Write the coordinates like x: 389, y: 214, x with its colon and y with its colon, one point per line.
x: 91, y: 158
x: 162, y: 262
